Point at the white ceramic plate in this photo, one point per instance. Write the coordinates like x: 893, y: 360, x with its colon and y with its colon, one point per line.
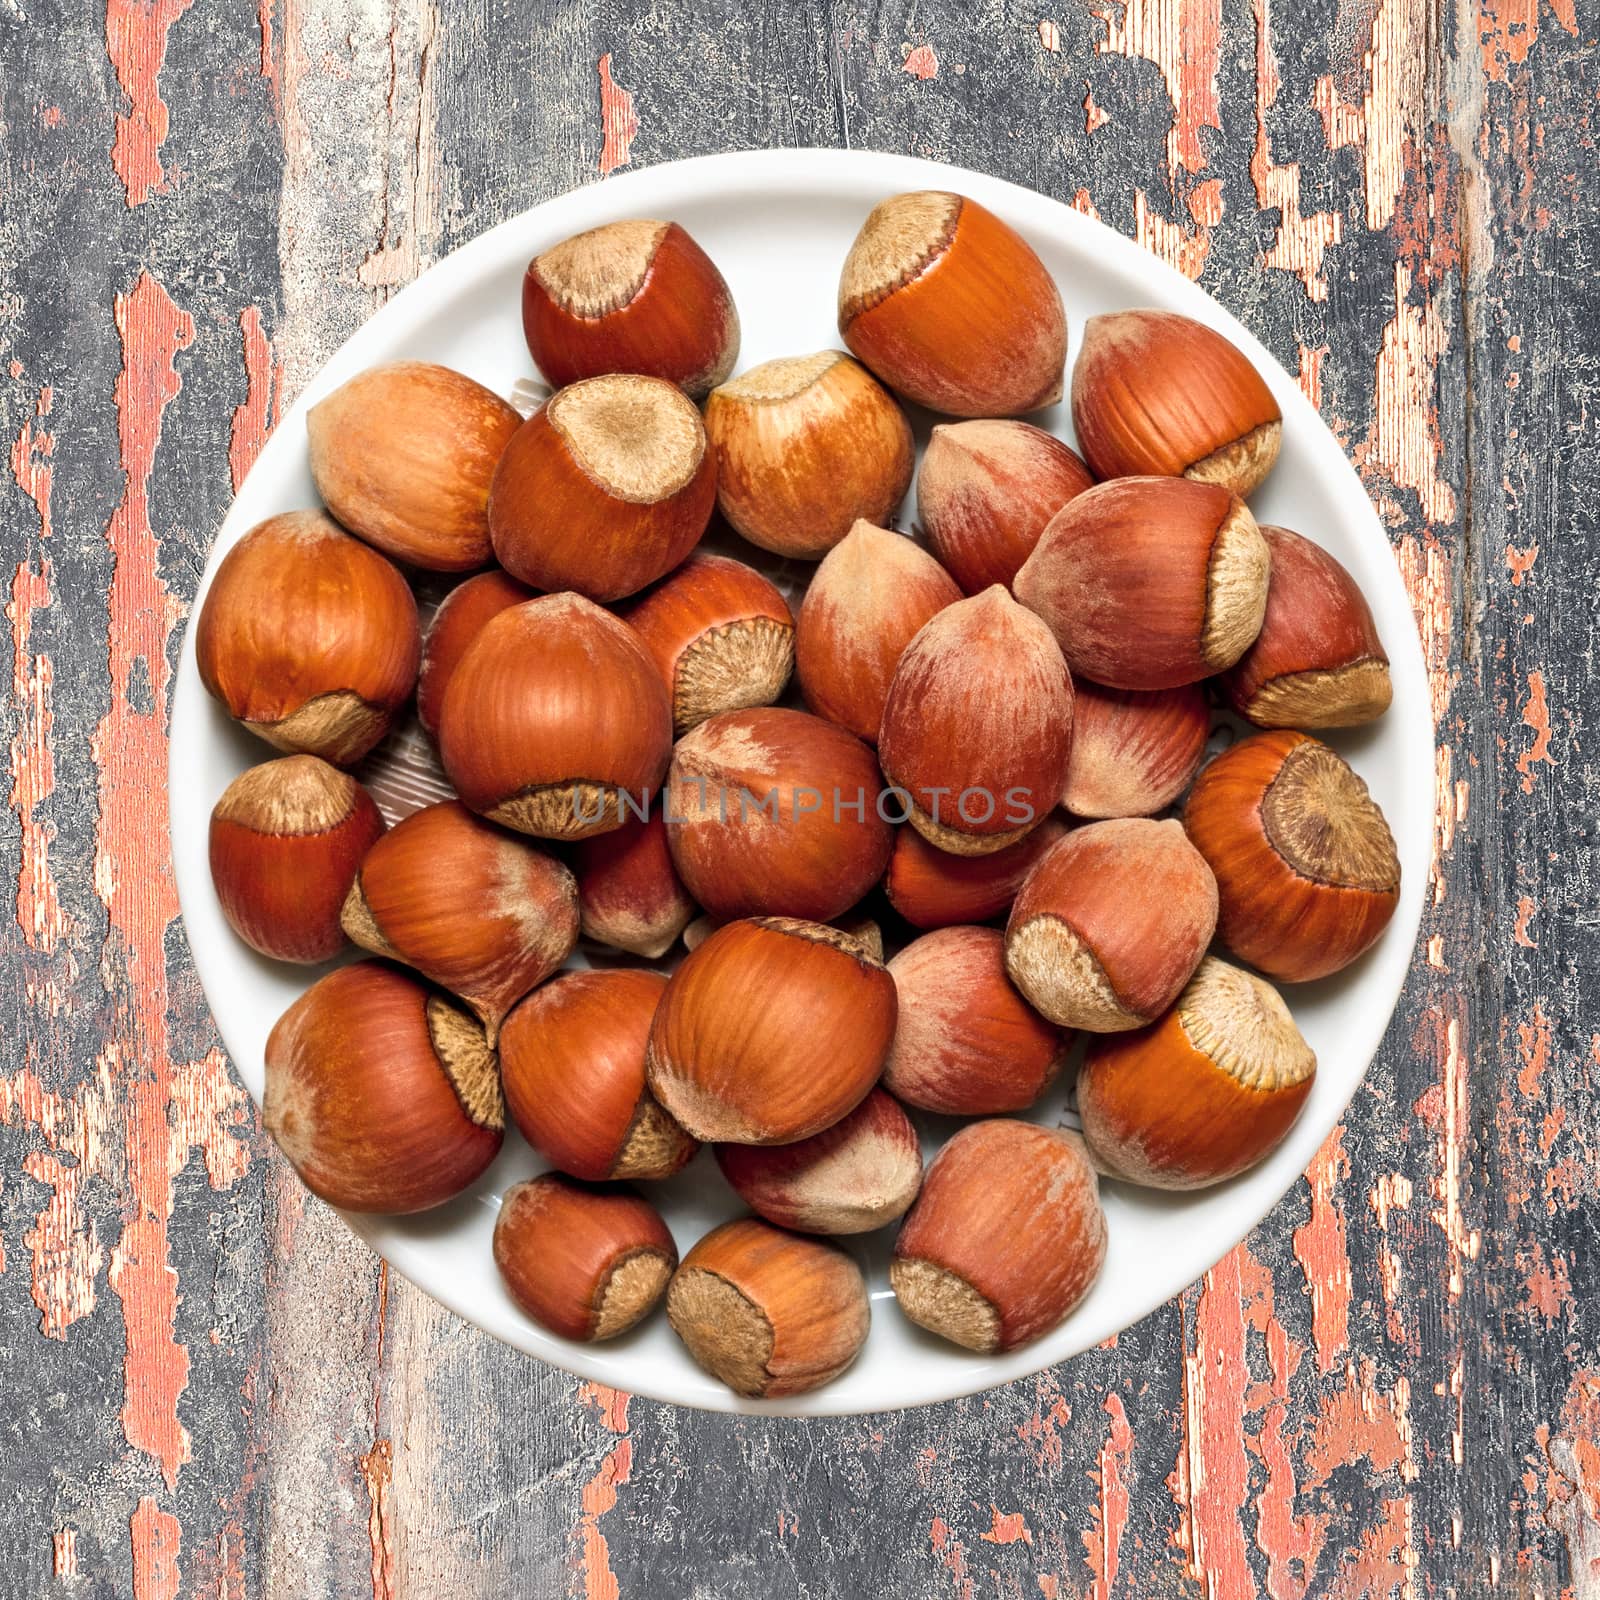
x: 778, y: 223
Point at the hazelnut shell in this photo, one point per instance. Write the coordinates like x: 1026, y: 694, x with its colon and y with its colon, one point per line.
x: 1005, y: 1239
x: 1202, y: 1095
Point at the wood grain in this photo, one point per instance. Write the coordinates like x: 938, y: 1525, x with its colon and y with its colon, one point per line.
x: 1392, y: 1389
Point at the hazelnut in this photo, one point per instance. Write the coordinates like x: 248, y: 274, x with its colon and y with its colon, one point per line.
x: 604, y: 489
x: 1203, y: 1094
x: 476, y: 909
x: 966, y: 1043
x: 403, y: 455
x: 585, y: 1263
x: 977, y: 729
x: 1150, y: 583
x: 286, y: 839
x: 1306, y: 869
x: 552, y: 717
x: 1158, y: 393
x: 1133, y: 750
x: 806, y: 446
x: 951, y: 307
x: 1318, y: 661
x: 986, y: 490
x: 572, y: 1058
x: 1111, y: 923
x: 720, y: 634
x: 461, y: 617
x: 632, y: 296
x: 855, y: 1176
x: 1006, y: 1238
x: 629, y: 894
x: 766, y: 1312
x: 382, y: 1093
x: 774, y: 811
x: 931, y: 888
x: 869, y: 599
x: 770, y: 1032
x: 308, y: 637
x: 863, y: 930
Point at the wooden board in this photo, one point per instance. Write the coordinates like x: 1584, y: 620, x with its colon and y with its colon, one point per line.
x: 211, y: 1389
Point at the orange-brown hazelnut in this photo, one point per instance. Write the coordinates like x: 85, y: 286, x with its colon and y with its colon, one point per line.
x: 1202, y: 1095
x: 931, y: 888
x: 286, y: 839
x: 775, y: 811
x: 721, y: 635
x: 807, y: 446
x: 1306, y: 868
x: 769, y: 1313
x: 382, y: 1093
x: 462, y: 616
x: 1154, y: 392
x: 986, y: 491
x: 966, y: 1043
x: 308, y: 637
x: 951, y: 307
x: 1111, y: 923
x: 977, y: 729
x: 631, y: 296
x: 403, y: 455
x: 572, y: 1057
x: 1006, y: 1238
x: 604, y: 489
x: 476, y: 909
x: 770, y: 1032
x: 1317, y: 661
x: 868, y: 600
x: 553, y: 715
x: 584, y: 1262
x: 857, y: 1175
x: 1133, y: 750
x: 1150, y: 583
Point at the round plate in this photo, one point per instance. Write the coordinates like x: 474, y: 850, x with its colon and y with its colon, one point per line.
x: 778, y: 223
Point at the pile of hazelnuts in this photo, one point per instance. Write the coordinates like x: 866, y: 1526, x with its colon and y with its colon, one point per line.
x: 997, y: 713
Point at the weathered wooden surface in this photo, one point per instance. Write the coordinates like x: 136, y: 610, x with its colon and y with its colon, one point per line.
x: 1392, y: 1389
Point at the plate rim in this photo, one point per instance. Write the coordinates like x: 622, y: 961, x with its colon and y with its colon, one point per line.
x: 870, y: 175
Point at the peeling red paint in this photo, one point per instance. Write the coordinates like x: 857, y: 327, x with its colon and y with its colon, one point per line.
x: 1008, y: 1527
x: 33, y: 771
x: 1323, y: 1252
x: 1103, y: 1544
x: 952, y: 1556
x: 1095, y: 116
x: 134, y: 879
x: 1526, y: 911
x: 1291, y: 1542
x: 1184, y: 39
x: 136, y: 42
x: 1391, y: 107
x: 1360, y: 1421
x: 1519, y: 563
x: 1180, y: 247
x: 1214, y: 1473
x: 155, y: 1537
x: 256, y: 415
x: 599, y: 1494
x: 923, y: 62
x: 1444, y: 1107
x: 1041, y: 1433
x: 619, y: 123
x: 1535, y: 715
x: 1301, y: 241
x: 1572, y: 1486
x: 64, y: 1553
x: 31, y: 453
x: 1310, y: 374
x: 1404, y: 439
